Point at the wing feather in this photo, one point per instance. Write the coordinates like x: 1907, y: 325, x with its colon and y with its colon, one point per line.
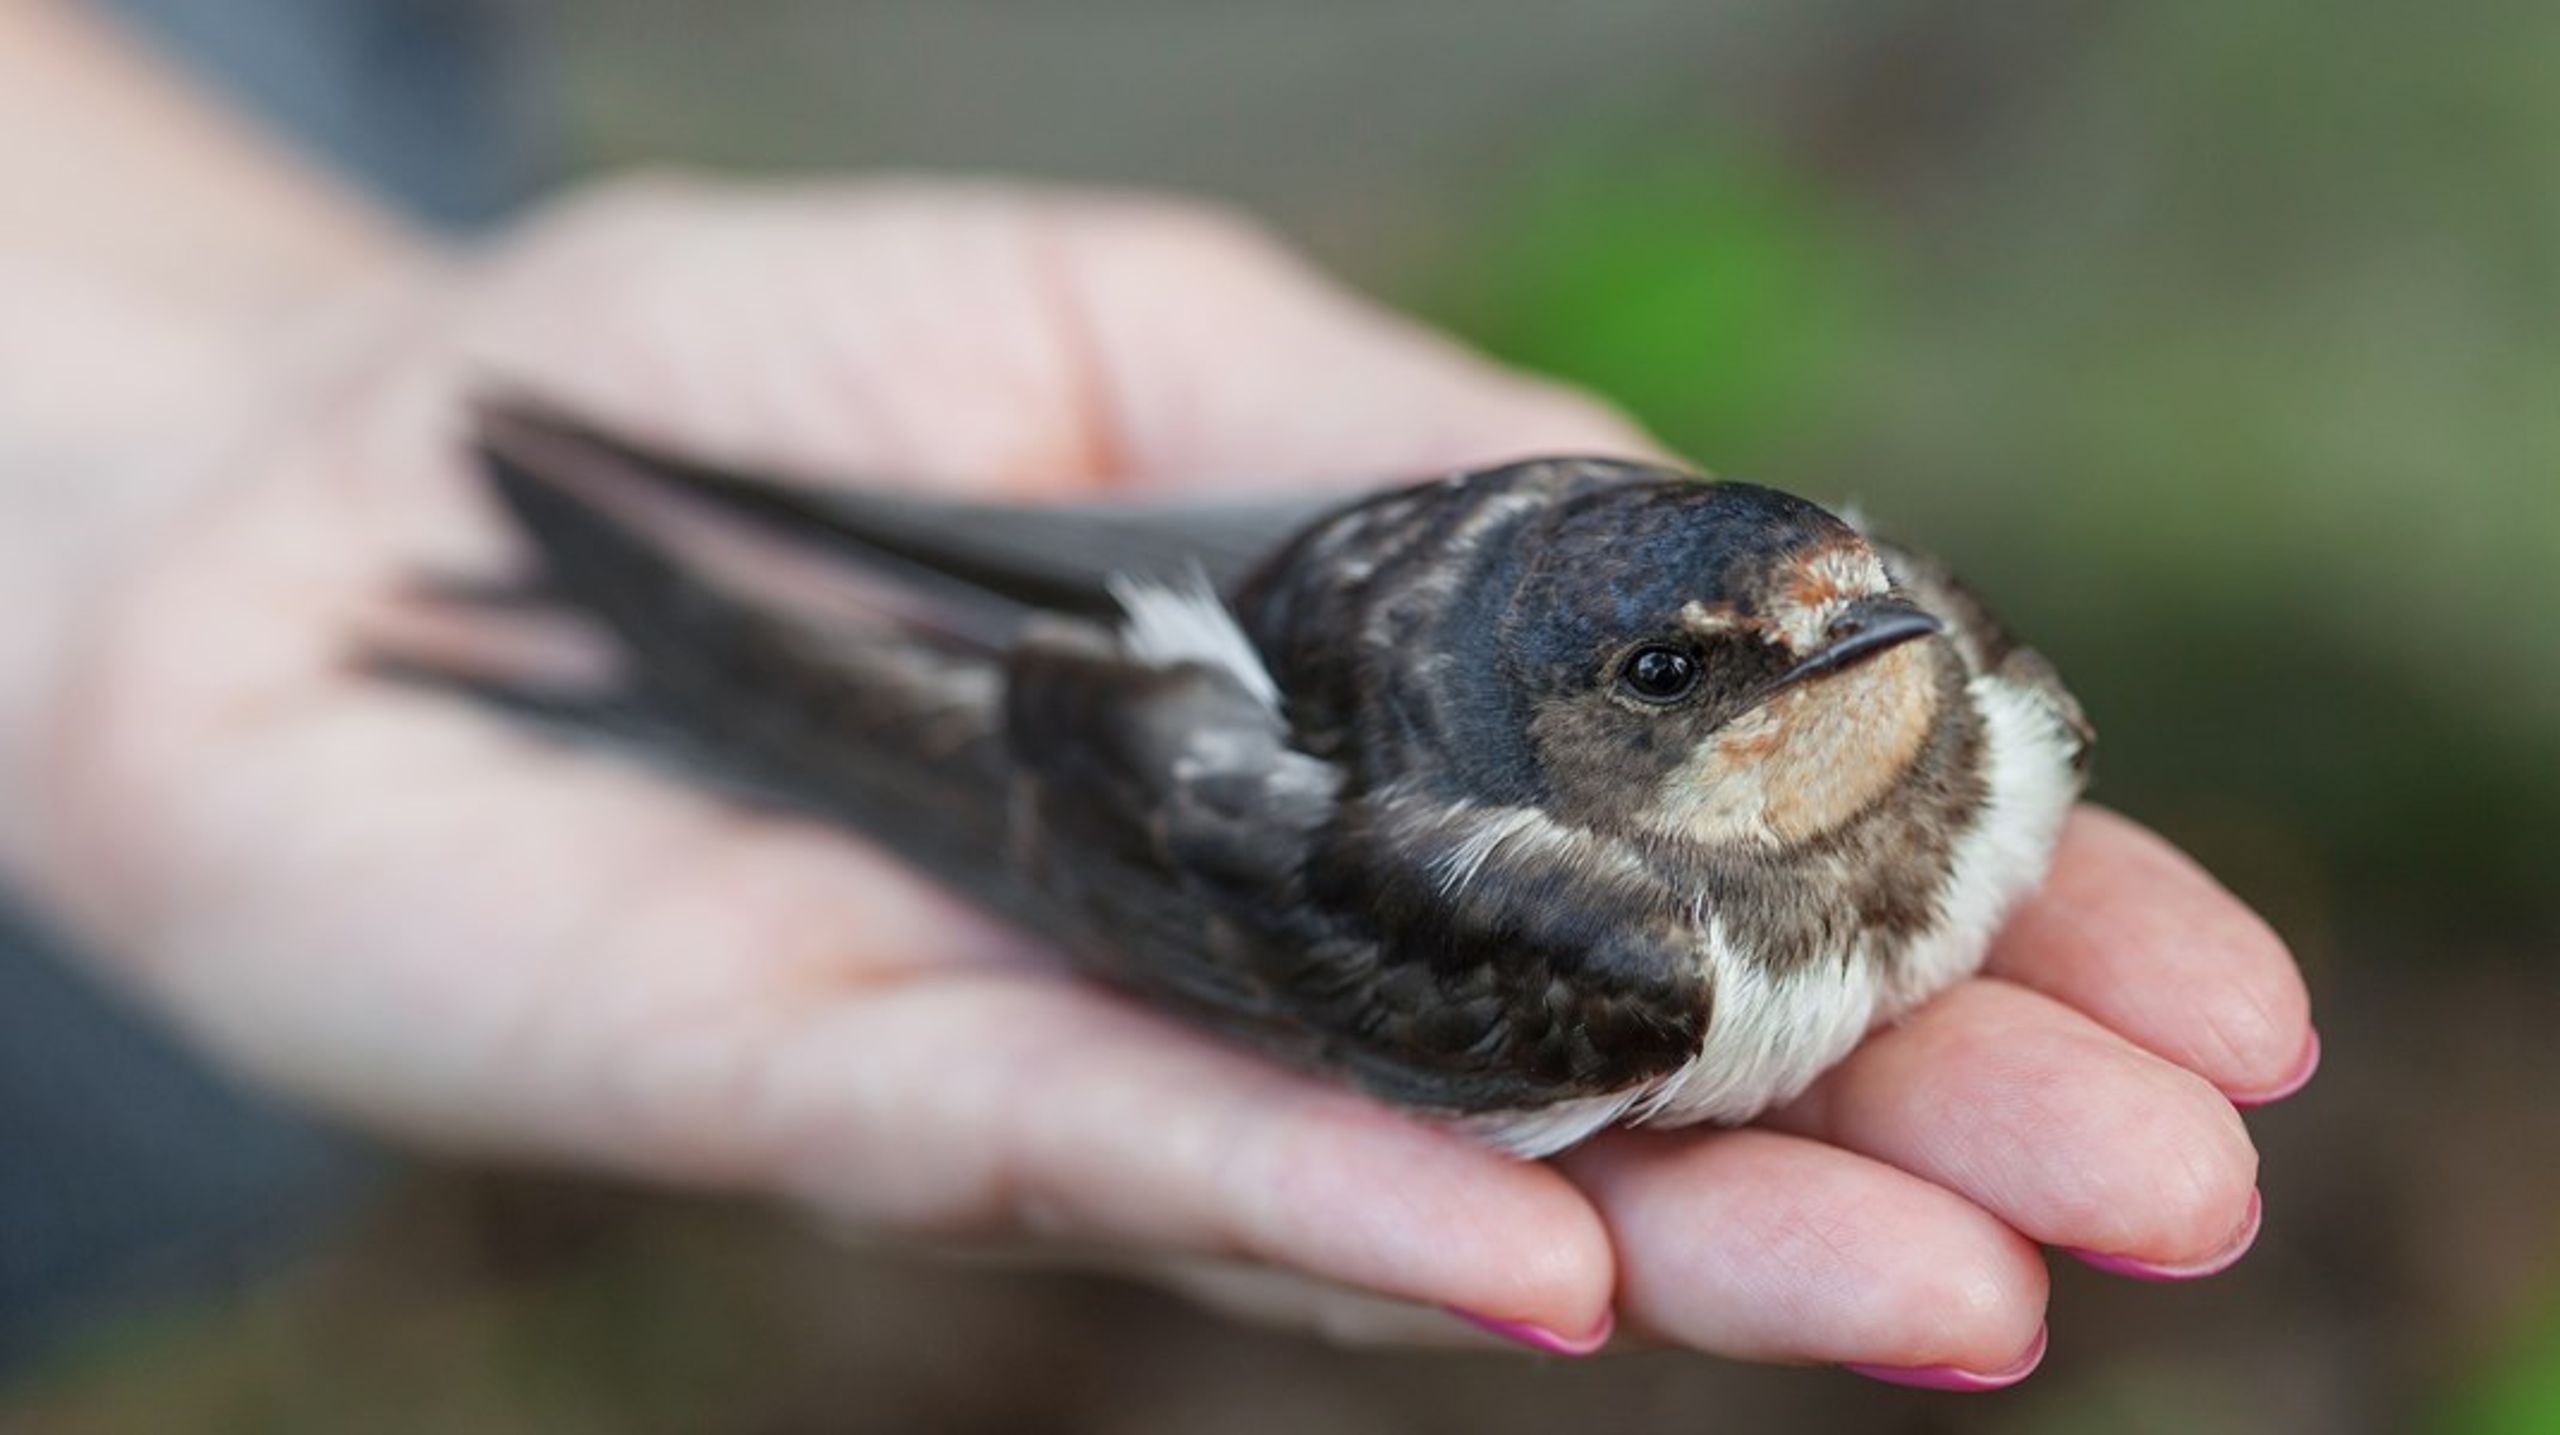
x: 1060, y: 557
x: 1129, y: 789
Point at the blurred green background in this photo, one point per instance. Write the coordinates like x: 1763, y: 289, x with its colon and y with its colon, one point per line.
x: 2218, y: 342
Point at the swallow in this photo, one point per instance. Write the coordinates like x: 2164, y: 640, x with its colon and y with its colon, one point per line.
x: 1537, y: 799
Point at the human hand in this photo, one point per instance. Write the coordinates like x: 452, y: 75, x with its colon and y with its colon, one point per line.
x: 399, y: 909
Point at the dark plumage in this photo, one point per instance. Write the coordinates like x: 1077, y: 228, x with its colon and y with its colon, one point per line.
x: 1488, y: 793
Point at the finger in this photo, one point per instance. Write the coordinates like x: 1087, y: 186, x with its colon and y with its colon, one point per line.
x: 796, y: 1016
x: 1052, y: 1110
x: 1221, y: 355
x: 1290, y: 1300
x: 992, y: 339
x: 1242, y: 1290
x: 1765, y: 1246
x: 2054, y: 1124
x: 2132, y: 933
x: 892, y: 332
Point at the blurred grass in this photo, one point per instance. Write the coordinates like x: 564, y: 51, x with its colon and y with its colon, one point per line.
x: 1721, y: 302
x: 2519, y: 1395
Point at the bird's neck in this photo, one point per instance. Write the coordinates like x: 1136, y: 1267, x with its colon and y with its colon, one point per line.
x: 1873, y: 878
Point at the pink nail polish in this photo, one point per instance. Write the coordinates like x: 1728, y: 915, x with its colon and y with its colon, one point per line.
x: 2303, y: 1071
x: 2214, y: 1264
x: 1538, y: 1337
x: 1949, y: 1377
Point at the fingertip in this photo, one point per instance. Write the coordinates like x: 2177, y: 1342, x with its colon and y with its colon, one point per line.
x: 2136, y: 935
x: 2221, y: 1259
x: 1957, y: 1377
x: 2251, y: 1055
x: 2177, y: 1202
x: 2068, y: 1133
x: 1759, y: 1245
x: 2250, y: 1029
x: 2305, y: 1067
x: 1540, y: 1338
x: 1410, y: 1209
x: 2179, y: 1209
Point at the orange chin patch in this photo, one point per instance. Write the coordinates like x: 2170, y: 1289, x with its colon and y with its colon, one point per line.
x: 1848, y: 739
x: 1811, y: 758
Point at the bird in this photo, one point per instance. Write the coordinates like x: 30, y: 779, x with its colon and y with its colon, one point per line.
x: 1535, y: 799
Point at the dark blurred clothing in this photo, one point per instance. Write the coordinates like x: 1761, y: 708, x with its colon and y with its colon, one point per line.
x: 127, y: 1172
x: 440, y: 105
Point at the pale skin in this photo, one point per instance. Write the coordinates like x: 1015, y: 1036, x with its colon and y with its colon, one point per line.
x: 228, y: 409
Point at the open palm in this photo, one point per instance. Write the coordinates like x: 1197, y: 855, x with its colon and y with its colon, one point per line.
x: 407, y: 912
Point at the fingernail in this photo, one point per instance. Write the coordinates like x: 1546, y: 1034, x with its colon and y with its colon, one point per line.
x: 2303, y: 1071
x: 1538, y: 1337
x: 1950, y: 1377
x: 2214, y: 1264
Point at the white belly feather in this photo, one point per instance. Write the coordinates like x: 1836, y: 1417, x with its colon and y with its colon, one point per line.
x: 1777, y: 1025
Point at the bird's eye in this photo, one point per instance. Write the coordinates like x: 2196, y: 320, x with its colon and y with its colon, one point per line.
x: 1658, y: 674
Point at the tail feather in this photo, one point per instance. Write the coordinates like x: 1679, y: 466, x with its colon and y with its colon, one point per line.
x: 854, y: 718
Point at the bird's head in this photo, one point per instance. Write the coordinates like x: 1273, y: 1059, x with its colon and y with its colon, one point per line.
x: 1716, y: 663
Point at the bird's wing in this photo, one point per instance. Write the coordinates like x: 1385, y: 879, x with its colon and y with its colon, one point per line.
x: 1058, y: 557
x: 1441, y: 956
x: 873, y: 703
x: 1131, y: 790
x: 1163, y: 805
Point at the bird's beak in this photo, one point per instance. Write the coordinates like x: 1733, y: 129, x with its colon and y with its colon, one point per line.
x: 1870, y: 626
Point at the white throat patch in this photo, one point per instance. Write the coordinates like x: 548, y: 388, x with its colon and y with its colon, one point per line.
x: 1775, y: 1027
